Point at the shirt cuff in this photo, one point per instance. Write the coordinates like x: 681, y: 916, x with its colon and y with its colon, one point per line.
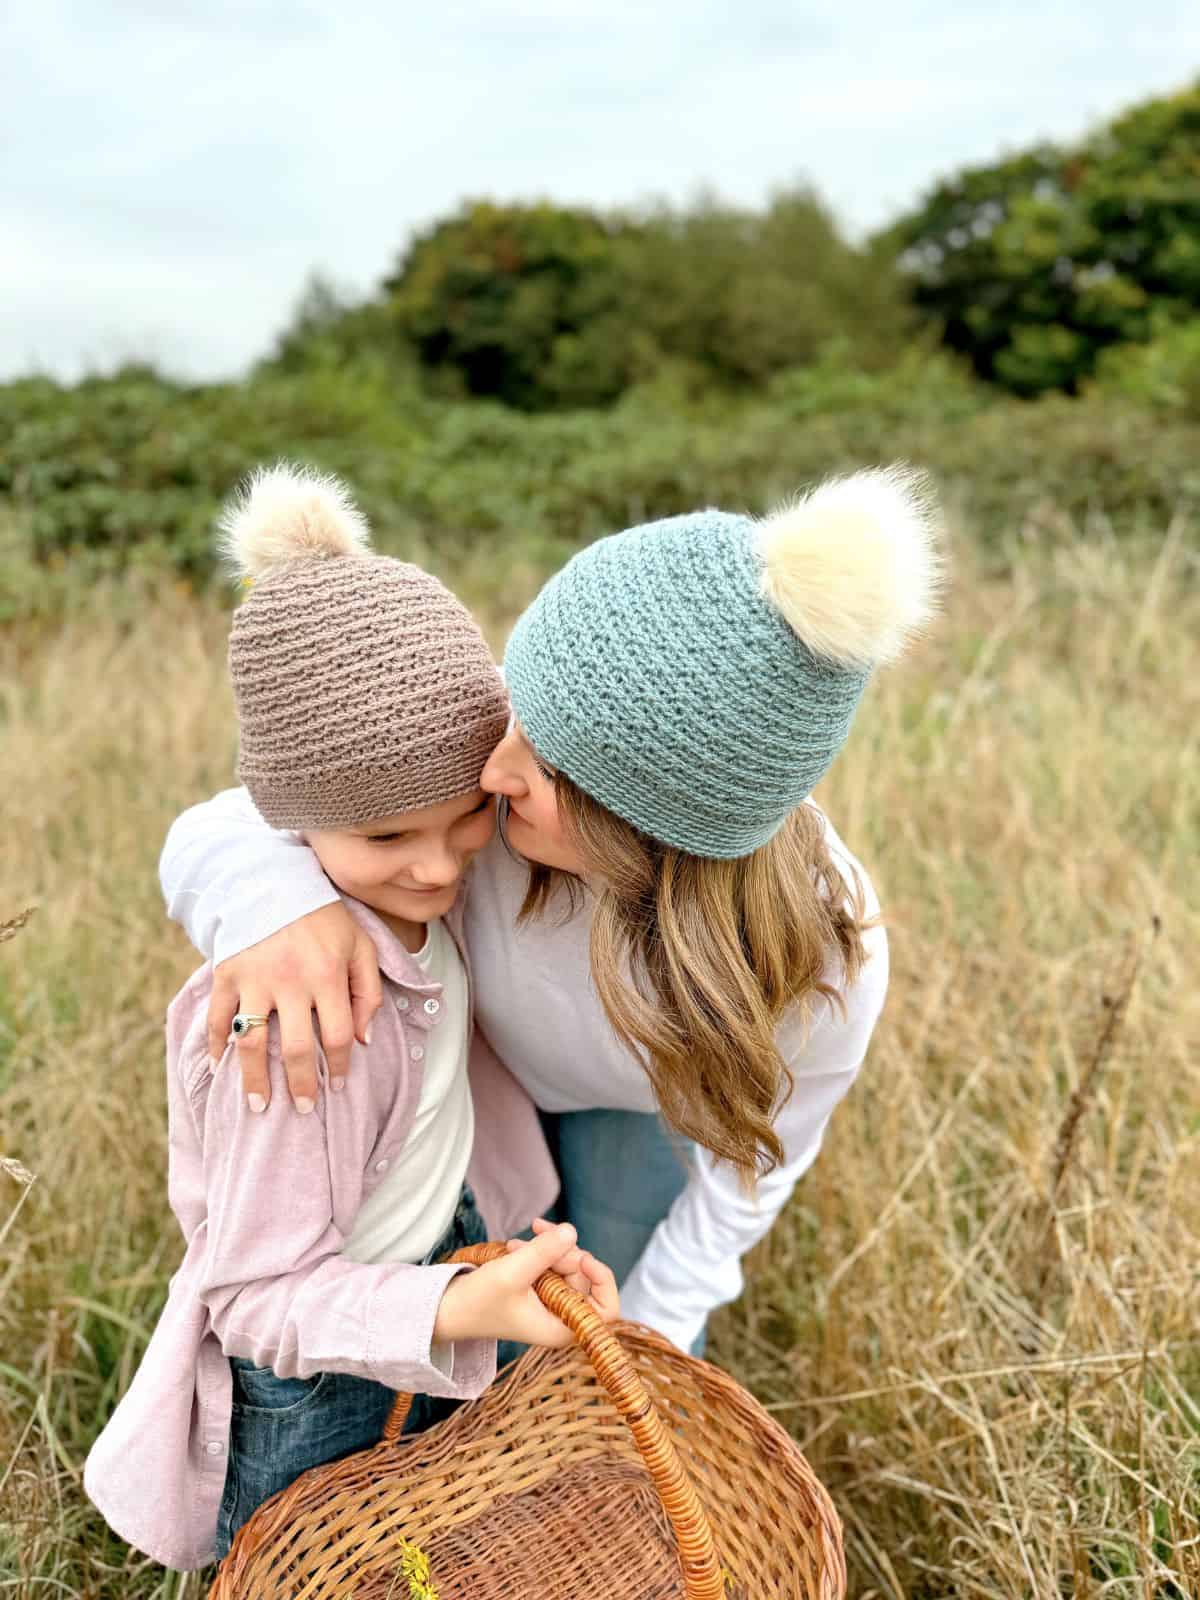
x: 401, y: 1352
x: 442, y: 1357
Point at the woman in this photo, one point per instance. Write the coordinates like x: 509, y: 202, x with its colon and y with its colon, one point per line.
x: 676, y: 955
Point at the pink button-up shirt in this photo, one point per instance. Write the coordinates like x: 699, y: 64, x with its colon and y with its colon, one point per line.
x: 265, y: 1203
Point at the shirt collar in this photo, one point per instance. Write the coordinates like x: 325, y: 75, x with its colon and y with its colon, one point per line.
x: 396, y: 960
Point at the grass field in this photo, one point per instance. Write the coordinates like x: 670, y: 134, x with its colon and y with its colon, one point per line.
x: 978, y: 1313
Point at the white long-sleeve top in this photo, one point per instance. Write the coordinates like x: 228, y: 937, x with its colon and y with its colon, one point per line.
x: 232, y: 881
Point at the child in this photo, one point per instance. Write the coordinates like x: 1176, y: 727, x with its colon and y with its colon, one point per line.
x: 367, y: 703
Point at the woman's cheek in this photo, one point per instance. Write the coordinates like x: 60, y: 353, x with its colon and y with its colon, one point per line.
x: 546, y: 814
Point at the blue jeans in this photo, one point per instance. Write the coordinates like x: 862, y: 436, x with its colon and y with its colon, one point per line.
x: 282, y: 1426
x: 620, y: 1171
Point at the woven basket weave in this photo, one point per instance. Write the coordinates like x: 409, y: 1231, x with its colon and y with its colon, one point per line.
x: 618, y: 1469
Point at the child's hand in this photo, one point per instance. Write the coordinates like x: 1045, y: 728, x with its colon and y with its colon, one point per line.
x: 585, y: 1280
x: 584, y: 1272
x: 498, y: 1301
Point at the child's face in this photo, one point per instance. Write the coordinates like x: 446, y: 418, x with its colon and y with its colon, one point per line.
x: 407, y: 866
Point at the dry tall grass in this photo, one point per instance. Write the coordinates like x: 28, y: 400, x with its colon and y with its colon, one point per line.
x: 996, y: 1374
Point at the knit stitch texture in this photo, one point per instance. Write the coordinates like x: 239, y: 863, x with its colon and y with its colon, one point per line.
x: 364, y: 688
x: 653, y: 673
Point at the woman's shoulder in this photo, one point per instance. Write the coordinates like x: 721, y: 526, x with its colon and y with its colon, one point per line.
x: 496, y: 872
x: 859, y: 1002
x: 495, y: 890
x: 847, y: 862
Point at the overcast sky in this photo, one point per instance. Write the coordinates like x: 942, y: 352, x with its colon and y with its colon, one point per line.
x: 172, y: 172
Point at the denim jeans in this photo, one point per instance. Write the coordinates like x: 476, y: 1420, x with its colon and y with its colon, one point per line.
x: 620, y: 1171
x: 282, y: 1426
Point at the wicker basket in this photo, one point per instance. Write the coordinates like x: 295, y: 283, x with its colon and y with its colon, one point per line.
x: 619, y: 1469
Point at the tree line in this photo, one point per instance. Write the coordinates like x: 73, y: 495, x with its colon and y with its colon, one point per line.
x: 1036, y: 270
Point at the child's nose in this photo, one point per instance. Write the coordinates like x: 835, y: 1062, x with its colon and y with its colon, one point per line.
x: 438, y: 871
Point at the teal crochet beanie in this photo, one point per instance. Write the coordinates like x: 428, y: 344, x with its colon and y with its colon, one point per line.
x: 698, y: 675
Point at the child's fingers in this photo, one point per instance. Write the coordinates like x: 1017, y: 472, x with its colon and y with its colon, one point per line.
x: 603, y: 1286
x: 566, y: 1266
x: 554, y: 1246
x: 569, y: 1262
x: 596, y: 1283
x: 540, y: 1227
x: 525, y: 1265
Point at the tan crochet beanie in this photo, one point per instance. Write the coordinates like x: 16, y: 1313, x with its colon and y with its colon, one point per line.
x: 363, y: 687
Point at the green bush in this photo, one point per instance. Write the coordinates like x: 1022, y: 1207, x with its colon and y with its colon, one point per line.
x: 1035, y: 266
x: 741, y: 295
x: 547, y: 308
x: 1164, y: 374
x: 932, y: 385
x: 122, y: 467
x: 330, y: 329
x: 126, y: 474
x: 519, y: 303
x: 1030, y: 269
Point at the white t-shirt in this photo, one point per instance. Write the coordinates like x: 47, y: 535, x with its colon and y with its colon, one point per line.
x: 232, y: 881
x: 415, y: 1203
x: 535, y: 1001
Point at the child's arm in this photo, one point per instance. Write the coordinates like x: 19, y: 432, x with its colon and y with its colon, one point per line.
x: 280, y: 1294
x: 277, y: 1289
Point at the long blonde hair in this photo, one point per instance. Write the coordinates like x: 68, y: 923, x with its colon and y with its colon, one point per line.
x: 695, y: 962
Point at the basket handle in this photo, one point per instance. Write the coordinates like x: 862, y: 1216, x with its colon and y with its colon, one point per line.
x: 703, y: 1579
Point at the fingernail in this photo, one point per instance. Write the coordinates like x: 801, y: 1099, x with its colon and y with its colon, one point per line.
x: 338, y: 1084
x: 367, y: 1033
x: 304, y: 1105
x: 256, y: 1103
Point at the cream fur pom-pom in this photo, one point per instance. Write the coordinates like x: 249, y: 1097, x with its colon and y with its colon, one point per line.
x: 853, y: 567
x: 283, y: 513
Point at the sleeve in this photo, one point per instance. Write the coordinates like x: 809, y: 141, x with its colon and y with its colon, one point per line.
x: 277, y: 1290
x: 231, y: 880
x: 692, y: 1263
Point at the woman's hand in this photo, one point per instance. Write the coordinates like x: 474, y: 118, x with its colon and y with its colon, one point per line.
x: 498, y: 1301
x: 323, y: 962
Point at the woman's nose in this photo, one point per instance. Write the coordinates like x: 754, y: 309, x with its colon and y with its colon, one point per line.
x: 499, y: 774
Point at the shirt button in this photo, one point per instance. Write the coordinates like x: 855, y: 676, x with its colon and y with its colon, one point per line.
x: 417, y: 1052
x: 381, y: 1166
x: 402, y: 1003
x: 432, y: 1007
x: 214, y: 1447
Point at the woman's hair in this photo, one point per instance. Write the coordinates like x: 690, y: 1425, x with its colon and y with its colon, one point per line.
x: 717, y: 951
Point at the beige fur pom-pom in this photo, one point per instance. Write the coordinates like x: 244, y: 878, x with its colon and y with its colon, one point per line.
x: 284, y: 513
x: 853, y: 567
